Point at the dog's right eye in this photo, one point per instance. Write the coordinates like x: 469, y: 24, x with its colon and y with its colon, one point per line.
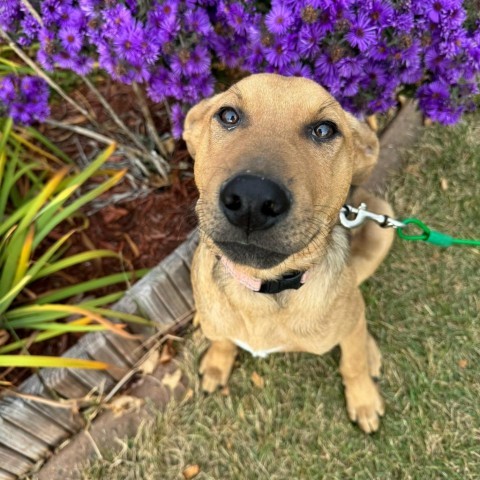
x: 228, y: 116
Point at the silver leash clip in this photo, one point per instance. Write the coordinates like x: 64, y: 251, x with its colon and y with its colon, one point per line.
x: 362, y: 214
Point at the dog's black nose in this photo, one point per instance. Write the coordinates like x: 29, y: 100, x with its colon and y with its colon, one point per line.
x: 252, y: 202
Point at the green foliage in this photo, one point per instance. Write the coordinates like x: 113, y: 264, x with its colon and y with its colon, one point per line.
x: 36, y: 195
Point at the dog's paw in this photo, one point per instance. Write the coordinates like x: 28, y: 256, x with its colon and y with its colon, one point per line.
x: 212, y: 378
x: 365, y: 405
x: 216, y: 365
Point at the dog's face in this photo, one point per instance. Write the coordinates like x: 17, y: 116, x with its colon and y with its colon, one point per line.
x: 274, y: 161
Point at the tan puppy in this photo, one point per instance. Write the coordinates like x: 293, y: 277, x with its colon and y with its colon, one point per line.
x: 275, y: 159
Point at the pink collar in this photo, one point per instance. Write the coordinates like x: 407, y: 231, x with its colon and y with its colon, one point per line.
x: 294, y: 281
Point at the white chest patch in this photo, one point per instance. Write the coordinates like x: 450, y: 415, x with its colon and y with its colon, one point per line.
x: 256, y: 353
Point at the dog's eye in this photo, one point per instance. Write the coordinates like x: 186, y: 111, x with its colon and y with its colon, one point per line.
x: 324, y: 130
x: 228, y: 116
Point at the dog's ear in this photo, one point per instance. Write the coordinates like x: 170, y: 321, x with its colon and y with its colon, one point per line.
x: 194, y: 124
x: 366, y: 148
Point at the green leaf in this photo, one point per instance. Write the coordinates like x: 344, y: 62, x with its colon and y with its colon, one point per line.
x: 83, y: 287
x: 54, y: 220
x: 74, y: 260
x: 66, y: 327
x: 13, y: 250
x: 7, y: 128
x: 49, y: 214
x: 128, y: 317
x: 45, y: 141
x: 9, y: 297
x: 38, y: 361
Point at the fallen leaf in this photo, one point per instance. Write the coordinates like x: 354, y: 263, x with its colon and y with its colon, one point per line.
x: 168, y: 352
x: 188, y: 395
x: 75, y: 119
x: 169, y: 145
x: 191, y: 471
x: 444, y: 184
x: 150, y: 363
x: 463, y: 363
x: 372, y: 122
x: 171, y: 380
x: 125, y: 403
x: 111, y: 214
x: 257, y: 380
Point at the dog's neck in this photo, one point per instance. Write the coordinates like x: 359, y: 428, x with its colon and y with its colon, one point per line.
x: 333, y: 260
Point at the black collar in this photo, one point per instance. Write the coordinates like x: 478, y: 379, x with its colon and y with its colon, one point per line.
x: 289, y: 281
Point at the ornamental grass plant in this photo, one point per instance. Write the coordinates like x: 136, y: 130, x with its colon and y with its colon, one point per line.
x: 38, y: 192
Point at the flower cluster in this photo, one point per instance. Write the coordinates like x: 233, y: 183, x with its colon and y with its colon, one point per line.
x: 363, y: 51
x: 26, y: 98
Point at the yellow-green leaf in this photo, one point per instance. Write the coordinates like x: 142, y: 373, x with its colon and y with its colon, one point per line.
x: 39, y: 361
x: 25, y: 253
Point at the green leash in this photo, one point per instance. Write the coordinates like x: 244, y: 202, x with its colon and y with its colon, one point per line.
x: 432, y: 236
x: 427, y: 235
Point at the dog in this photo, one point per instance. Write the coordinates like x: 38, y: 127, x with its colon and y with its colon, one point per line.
x: 276, y: 158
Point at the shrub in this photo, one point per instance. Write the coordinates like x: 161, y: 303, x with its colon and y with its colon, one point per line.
x: 363, y: 52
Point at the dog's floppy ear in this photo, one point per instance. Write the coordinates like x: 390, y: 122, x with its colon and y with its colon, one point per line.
x: 366, y: 148
x: 194, y: 124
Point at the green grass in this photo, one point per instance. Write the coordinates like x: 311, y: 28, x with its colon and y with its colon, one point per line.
x: 423, y: 307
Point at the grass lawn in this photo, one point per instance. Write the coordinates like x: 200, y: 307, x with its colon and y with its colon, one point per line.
x: 423, y: 307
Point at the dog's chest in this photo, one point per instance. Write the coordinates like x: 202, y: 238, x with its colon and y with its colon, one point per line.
x: 257, y: 353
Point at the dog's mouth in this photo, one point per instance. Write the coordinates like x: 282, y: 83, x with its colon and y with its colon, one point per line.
x: 251, y: 255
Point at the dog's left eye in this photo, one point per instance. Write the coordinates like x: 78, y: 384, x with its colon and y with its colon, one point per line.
x: 324, y: 130
x: 228, y: 116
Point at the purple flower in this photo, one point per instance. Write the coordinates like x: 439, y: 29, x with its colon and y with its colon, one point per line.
x: 362, y: 52
x: 362, y: 34
x: 177, y: 117
x: 26, y: 99
x: 71, y: 39
x: 435, y: 100
x: 197, y: 21
x: 281, y: 53
x: 116, y: 20
x: 129, y: 42
x: 309, y: 40
x: 380, y: 13
x: 157, y: 89
x: 235, y: 15
x: 436, y: 8
x: 279, y: 19
x: 326, y: 71
x: 298, y: 69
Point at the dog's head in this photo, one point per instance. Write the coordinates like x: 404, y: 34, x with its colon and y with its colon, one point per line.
x: 274, y: 160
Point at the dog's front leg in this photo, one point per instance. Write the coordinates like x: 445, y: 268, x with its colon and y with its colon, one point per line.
x: 217, y: 364
x: 364, y: 402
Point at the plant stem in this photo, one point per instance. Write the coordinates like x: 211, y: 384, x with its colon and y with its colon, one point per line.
x: 34, y: 13
x: 133, y: 154
x: 114, y: 116
x: 160, y: 163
